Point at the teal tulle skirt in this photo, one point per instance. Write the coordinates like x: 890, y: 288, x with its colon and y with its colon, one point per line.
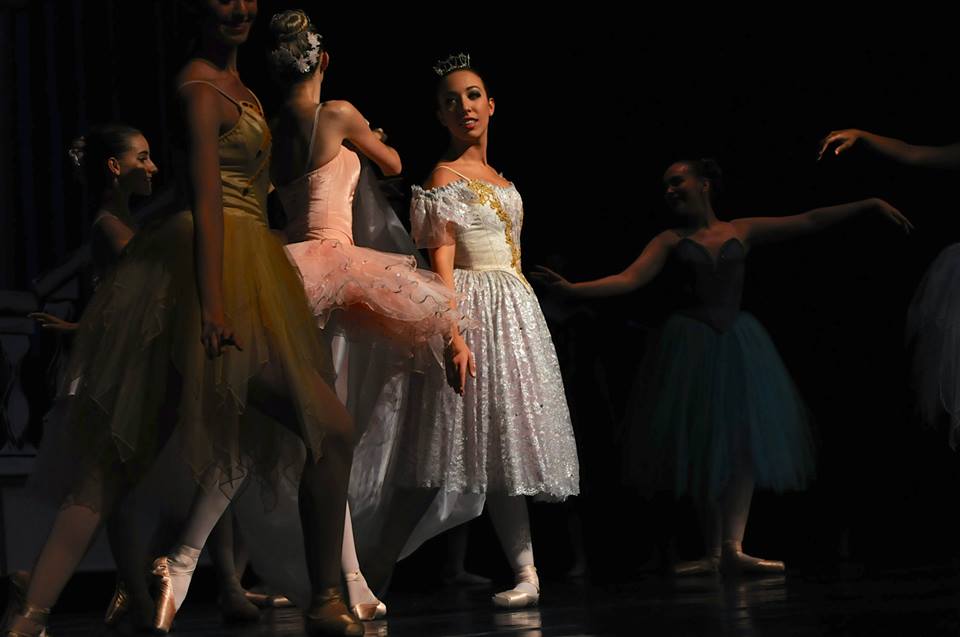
x: 707, y: 402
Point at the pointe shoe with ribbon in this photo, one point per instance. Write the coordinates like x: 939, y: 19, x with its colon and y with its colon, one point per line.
x: 357, y: 588
x: 525, y: 593
x: 733, y: 561
x: 118, y: 606
x: 328, y: 616
x: 18, y: 611
x: 166, y: 607
x: 172, y: 574
x: 36, y: 617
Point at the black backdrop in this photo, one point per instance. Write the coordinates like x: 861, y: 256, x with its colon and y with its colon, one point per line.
x: 592, y: 104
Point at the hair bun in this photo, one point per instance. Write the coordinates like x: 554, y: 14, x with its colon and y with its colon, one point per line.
x: 297, y: 46
x: 288, y: 24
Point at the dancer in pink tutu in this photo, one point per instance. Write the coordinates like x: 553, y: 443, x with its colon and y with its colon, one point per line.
x: 378, y: 295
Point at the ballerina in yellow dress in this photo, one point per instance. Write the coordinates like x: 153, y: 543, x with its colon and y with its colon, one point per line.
x: 203, y: 327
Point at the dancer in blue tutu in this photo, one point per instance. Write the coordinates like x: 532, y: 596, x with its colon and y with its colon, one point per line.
x: 714, y: 412
x: 933, y: 320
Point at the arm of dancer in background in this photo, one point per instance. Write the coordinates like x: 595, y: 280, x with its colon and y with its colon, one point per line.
x: 759, y: 230
x: 636, y: 275
x: 116, y: 235
x: 751, y: 231
x: 840, y: 141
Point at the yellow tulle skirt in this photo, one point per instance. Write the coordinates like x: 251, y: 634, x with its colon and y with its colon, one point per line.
x: 138, y: 370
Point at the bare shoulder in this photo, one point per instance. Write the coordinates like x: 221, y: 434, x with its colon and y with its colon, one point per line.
x: 668, y: 239
x: 195, y: 70
x: 741, y: 227
x: 337, y: 109
x: 441, y: 176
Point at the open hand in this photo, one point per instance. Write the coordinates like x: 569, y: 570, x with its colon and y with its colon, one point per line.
x: 843, y: 139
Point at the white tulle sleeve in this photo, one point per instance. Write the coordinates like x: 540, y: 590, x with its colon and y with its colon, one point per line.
x: 436, y: 213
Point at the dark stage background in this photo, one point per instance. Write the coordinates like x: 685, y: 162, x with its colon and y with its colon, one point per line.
x: 591, y: 108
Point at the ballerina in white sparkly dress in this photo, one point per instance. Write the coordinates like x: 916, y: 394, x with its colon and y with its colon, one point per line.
x: 505, y: 433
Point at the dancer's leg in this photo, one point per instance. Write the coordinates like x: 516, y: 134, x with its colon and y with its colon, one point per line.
x: 73, y: 531
x: 362, y: 600
x: 734, y: 512
x: 234, y: 604
x: 512, y: 524
x: 131, y: 555
x: 323, y: 501
x: 177, y: 567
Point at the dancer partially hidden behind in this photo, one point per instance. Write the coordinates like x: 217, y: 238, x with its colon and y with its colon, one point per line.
x: 505, y: 433
x: 933, y: 320
x: 377, y: 295
x: 202, y: 325
x: 113, y: 162
x: 714, y: 412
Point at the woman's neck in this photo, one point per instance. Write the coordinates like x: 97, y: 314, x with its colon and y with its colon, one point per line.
x: 307, y: 91
x: 116, y: 203
x: 706, y: 221
x: 222, y: 57
x: 470, y: 152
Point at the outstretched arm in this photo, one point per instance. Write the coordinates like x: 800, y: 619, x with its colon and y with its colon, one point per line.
x: 759, y: 230
x: 839, y: 141
x: 638, y: 274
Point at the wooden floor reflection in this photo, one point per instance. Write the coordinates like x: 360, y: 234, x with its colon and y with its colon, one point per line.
x: 908, y: 603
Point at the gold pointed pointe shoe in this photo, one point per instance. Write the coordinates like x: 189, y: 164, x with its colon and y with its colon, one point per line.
x: 369, y: 612
x: 366, y: 611
x: 328, y: 616
x: 118, y: 606
x: 166, y: 607
x: 733, y: 561
x: 514, y: 598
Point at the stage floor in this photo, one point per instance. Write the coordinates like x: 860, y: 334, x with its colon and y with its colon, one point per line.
x: 913, y: 603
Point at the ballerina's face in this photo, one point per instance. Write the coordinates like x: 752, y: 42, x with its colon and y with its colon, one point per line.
x: 229, y: 21
x: 465, y: 107
x: 134, y: 169
x: 685, y: 192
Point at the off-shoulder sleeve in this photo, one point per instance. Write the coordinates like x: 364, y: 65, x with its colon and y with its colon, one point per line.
x: 435, y: 214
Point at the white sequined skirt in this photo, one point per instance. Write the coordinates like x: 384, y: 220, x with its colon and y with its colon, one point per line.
x: 510, y: 432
